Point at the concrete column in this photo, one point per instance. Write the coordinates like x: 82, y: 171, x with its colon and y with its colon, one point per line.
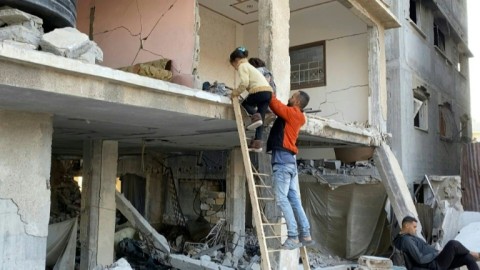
x: 274, y: 42
x: 25, y: 143
x: 274, y: 45
x: 155, y: 194
x: 377, y: 77
x: 97, y: 225
x: 235, y: 204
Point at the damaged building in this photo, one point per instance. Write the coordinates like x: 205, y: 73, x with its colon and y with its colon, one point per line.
x: 119, y: 139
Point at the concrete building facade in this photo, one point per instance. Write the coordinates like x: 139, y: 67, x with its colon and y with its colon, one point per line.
x: 429, y: 95
x: 107, y: 117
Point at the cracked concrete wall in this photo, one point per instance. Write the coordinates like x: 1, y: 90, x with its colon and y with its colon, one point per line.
x: 412, y: 61
x: 25, y: 140
x: 131, y: 32
x: 217, y: 40
x: 345, y: 96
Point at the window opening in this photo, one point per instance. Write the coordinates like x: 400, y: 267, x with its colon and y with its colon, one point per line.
x: 413, y: 11
x: 307, y: 66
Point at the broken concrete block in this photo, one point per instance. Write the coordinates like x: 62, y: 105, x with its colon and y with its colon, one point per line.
x: 205, y: 258
x: 121, y: 264
x: 67, y: 42
x: 184, y: 262
x: 93, y: 56
x: 332, y: 164
x: 371, y: 262
x: 20, y: 33
x: 122, y: 234
x: 12, y: 16
x: 22, y: 45
x: 255, y: 266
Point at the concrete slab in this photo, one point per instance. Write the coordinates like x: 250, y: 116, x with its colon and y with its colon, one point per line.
x: 95, y: 102
x: 183, y: 262
x: 11, y: 16
x: 20, y: 33
x: 21, y: 45
x: 395, y: 185
x: 137, y: 221
x: 67, y: 42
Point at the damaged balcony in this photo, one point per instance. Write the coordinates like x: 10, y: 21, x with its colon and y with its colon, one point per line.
x: 91, y: 102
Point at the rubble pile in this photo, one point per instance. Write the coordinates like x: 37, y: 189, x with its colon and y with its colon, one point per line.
x: 121, y: 264
x: 23, y: 30
x: 66, y: 200
x: 335, y: 172
x: 320, y: 260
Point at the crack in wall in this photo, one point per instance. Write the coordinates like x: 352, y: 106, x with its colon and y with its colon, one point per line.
x: 139, y: 35
x: 21, y: 218
x: 342, y: 37
x: 334, y: 103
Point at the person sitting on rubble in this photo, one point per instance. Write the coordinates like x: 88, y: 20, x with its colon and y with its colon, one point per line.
x: 260, y: 93
x: 419, y: 255
x: 281, y: 142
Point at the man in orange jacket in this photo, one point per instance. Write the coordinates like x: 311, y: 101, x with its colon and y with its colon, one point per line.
x: 281, y: 142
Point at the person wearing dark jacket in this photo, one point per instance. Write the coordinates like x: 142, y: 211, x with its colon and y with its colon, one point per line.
x: 419, y: 255
x: 281, y: 142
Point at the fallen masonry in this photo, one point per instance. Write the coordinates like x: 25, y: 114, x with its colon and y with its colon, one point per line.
x: 25, y: 31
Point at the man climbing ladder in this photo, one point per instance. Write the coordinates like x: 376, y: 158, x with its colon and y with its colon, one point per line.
x: 281, y: 142
x: 283, y: 136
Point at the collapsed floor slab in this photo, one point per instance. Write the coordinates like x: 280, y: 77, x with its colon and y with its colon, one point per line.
x: 137, y: 221
x: 395, y: 184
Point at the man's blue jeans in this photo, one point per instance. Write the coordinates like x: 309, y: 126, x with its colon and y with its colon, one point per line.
x: 285, y: 180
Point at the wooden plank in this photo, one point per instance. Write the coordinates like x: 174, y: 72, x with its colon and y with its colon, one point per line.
x: 305, y: 261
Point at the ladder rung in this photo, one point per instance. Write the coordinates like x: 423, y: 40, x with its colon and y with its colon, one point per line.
x: 273, y: 224
x: 261, y: 174
x: 276, y: 250
x: 263, y: 186
x: 266, y: 199
x: 274, y: 236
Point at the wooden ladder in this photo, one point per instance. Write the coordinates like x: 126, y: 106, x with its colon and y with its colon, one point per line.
x: 259, y: 217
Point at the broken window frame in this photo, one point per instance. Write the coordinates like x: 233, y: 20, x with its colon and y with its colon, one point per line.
x: 413, y: 11
x: 445, y: 119
x: 420, y: 108
x: 321, y: 46
x: 439, y: 38
x: 462, y: 65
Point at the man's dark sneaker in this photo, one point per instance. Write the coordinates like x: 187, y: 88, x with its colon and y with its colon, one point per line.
x: 291, y: 244
x: 255, y: 146
x: 256, y: 121
x: 307, y: 241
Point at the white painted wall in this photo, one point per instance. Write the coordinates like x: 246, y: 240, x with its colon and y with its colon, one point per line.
x: 345, y: 97
x: 217, y: 40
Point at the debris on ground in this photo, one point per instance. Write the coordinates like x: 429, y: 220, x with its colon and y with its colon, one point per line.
x: 121, y: 264
x: 335, y: 173
x: 217, y: 88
